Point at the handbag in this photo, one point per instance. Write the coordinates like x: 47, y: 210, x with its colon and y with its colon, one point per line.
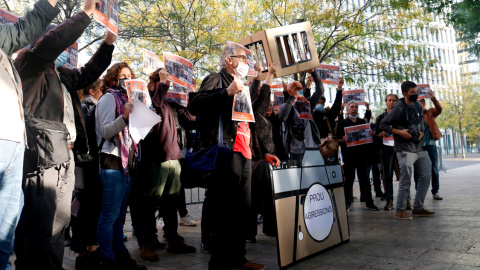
x: 47, y: 141
x: 329, y: 145
x: 199, y: 168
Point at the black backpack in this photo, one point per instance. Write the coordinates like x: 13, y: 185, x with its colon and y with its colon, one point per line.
x: 91, y: 133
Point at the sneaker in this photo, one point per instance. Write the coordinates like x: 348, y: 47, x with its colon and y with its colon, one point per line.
x: 402, y: 215
x: 388, y: 206
x: 206, y: 248
x: 348, y: 208
x: 160, y: 224
x: 422, y: 213
x: 252, y: 266
x: 437, y: 197
x: 409, y: 206
x: 148, y: 253
x: 179, y: 247
x: 187, y: 221
x: 372, y: 207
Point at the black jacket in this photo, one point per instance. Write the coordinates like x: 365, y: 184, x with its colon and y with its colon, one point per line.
x: 320, y: 117
x: 211, y: 101
x: 42, y: 90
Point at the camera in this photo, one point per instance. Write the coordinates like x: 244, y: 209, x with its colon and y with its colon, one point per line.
x: 298, y: 132
x: 415, y: 136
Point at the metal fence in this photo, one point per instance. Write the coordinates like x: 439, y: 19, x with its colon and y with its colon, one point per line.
x: 194, y: 195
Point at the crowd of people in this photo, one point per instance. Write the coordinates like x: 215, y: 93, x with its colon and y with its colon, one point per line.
x: 70, y: 160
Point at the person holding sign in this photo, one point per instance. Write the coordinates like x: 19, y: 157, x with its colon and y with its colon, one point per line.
x: 388, y: 155
x: 297, y: 111
x: 355, y: 158
x: 228, y: 195
x: 12, y: 134
x: 432, y: 134
x: 321, y: 115
x: 405, y: 121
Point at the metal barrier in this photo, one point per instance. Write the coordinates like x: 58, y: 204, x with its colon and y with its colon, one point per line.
x: 197, y: 195
x: 440, y: 160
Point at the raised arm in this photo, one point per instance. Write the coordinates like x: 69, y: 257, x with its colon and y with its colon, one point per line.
x: 319, y: 90
x: 17, y: 35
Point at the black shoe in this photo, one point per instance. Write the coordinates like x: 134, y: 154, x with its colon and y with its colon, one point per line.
x: 158, y: 245
x: 372, y: 207
x: 125, y: 261
x: 379, y: 194
x: 435, y: 197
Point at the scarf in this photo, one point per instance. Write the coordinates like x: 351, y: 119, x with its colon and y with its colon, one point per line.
x: 126, y: 141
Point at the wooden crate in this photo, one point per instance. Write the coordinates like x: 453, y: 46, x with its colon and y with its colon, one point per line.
x: 292, y: 46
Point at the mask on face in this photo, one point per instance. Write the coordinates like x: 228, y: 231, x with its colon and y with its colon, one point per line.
x: 413, y: 98
x: 241, y: 70
x: 122, y: 85
x: 353, y: 117
x: 61, y: 59
x: 319, y: 108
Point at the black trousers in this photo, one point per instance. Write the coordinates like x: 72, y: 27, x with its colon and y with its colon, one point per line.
x: 388, y: 158
x: 231, y: 196
x: 361, y: 166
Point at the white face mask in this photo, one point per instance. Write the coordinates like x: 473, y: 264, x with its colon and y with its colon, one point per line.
x: 353, y: 117
x: 241, y: 70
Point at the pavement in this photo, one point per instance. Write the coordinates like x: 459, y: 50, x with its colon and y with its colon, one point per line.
x: 449, y: 240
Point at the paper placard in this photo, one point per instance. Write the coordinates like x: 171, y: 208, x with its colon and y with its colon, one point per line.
x: 7, y: 17
x: 423, y: 91
x: 357, y: 95
x: 141, y: 120
x: 180, y: 69
x: 251, y: 67
x: 180, y: 98
x: 329, y: 74
x: 358, y: 135
x: 242, y: 106
x: 279, y: 99
x: 302, y: 106
x: 277, y: 83
x: 180, y: 89
x: 151, y: 62
x: 72, y: 60
x: 138, y: 90
x: 107, y: 15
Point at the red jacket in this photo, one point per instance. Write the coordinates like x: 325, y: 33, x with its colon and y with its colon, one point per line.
x: 430, y: 115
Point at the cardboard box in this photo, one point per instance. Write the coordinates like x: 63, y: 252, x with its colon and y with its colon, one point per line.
x: 292, y: 46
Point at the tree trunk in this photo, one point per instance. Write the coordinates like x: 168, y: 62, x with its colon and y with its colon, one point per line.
x: 461, y: 139
x: 454, y: 144
x: 478, y: 143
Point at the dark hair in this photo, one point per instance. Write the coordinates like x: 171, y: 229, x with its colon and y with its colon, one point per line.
x: 389, y: 95
x: 323, y: 98
x: 110, y: 80
x: 94, y: 85
x: 406, y: 85
x: 154, y: 77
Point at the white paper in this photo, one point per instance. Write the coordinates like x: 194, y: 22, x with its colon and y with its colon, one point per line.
x: 141, y: 121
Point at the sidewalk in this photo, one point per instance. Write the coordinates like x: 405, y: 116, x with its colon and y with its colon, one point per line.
x: 450, y: 240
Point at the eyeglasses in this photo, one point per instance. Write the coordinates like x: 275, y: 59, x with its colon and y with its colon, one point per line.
x: 244, y: 57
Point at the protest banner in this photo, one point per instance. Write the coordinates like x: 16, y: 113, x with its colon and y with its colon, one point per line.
x: 302, y: 106
x: 358, y: 135
x: 242, y: 106
x: 180, y: 98
x: 180, y: 89
x: 278, y: 100
x: 72, y: 56
x: 107, y: 15
x: 251, y: 66
x: 138, y: 90
x: 329, y: 74
x: 357, y: 95
x: 180, y: 69
x: 7, y: 17
x: 423, y: 91
x: 293, y: 46
x: 151, y: 62
x: 277, y: 83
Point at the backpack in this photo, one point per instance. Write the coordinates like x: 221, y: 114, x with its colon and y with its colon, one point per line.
x: 181, y: 133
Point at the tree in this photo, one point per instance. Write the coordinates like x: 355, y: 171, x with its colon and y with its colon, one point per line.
x: 463, y: 16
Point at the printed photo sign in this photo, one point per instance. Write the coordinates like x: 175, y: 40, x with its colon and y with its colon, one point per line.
x: 423, y: 91
x: 302, y: 106
x: 277, y: 83
x: 329, y: 74
x: 180, y: 69
x: 72, y: 60
x: 388, y: 139
x: 138, y: 90
x: 278, y: 100
x: 357, y: 95
x: 251, y: 67
x: 242, y: 106
x: 151, y: 62
x: 358, y: 135
x: 107, y: 15
x: 180, y: 98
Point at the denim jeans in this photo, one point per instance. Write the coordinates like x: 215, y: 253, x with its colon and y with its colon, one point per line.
x: 116, y: 186
x: 433, y: 154
x: 422, y: 166
x: 11, y: 196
